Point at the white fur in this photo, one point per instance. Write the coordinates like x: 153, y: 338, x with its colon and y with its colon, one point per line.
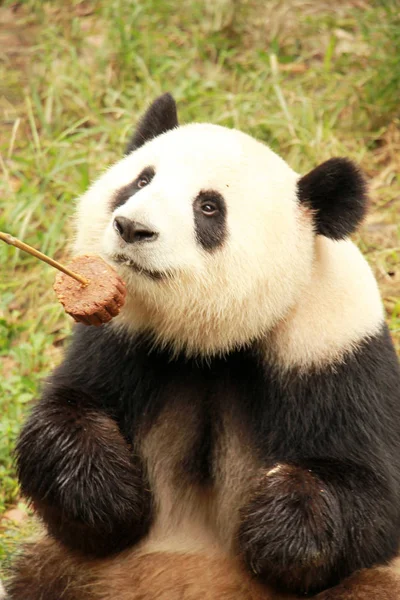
x: 213, y: 301
x: 310, y: 298
x: 339, y: 308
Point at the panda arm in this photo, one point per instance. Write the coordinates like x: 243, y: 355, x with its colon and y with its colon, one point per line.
x: 326, y: 503
x: 311, y: 523
x: 75, y: 464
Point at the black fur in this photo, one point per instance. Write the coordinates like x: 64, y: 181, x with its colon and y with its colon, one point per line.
x: 337, y: 433
x: 210, y: 228
x: 159, y: 118
x: 123, y: 194
x: 81, y: 474
x: 336, y: 192
x: 308, y: 525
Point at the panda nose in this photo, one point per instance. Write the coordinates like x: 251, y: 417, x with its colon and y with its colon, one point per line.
x: 132, y: 231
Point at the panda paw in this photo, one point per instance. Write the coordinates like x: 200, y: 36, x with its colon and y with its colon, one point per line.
x: 291, y: 531
x: 78, y: 471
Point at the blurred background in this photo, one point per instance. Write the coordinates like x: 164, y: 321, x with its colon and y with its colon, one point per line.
x: 313, y: 79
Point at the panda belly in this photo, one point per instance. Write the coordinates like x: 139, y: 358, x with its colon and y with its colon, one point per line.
x: 173, y: 453
x: 199, y: 459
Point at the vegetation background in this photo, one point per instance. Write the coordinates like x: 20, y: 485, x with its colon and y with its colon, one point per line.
x: 314, y: 79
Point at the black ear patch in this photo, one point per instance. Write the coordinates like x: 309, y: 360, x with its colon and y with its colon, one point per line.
x: 336, y: 192
x: 160, y: 117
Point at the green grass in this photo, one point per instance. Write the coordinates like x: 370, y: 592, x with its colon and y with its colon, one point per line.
x: 313, y: 80
x: 11, y: 535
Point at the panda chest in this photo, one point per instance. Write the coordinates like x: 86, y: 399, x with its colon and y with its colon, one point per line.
x: 192, y: 412
x: 176, y: 442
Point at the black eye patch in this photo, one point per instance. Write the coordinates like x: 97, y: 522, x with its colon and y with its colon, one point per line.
x: 123, y: 194
x: 209, y: 210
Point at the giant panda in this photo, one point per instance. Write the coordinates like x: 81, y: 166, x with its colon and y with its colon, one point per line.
x: 234, y: 433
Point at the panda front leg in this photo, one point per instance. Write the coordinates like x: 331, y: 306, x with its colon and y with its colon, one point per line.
x: 80, y: 473
x: 308, y: 526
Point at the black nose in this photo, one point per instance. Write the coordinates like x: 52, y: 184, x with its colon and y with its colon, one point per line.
x: 132, y: 231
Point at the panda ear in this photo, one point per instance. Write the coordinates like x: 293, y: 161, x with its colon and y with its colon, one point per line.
x: 336, y: 192
x: 160, y: 117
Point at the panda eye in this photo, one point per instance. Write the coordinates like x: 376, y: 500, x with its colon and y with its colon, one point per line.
x: 143, y: 181
x: 209, y: 209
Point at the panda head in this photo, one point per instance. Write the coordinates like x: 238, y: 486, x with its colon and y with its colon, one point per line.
x: 213, y: 233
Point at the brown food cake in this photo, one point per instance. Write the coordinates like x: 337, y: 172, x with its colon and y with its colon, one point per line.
x: 98, y: 301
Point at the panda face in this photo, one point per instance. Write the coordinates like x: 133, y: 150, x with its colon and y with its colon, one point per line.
x: 205, y: 227
x: 174, y: 211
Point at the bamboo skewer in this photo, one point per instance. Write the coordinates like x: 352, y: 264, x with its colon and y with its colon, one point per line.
x: 9, y: 239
